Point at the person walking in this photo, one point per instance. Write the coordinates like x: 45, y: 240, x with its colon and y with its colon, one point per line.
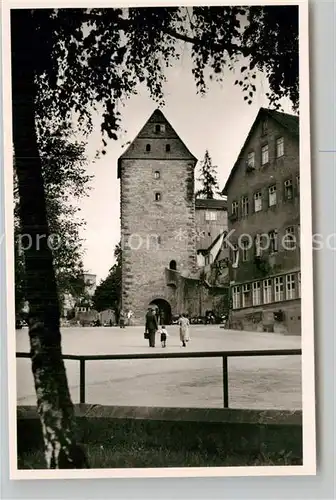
x: 151, y: 326
x: 184, y: 329
x: 122, y: 319
x: 163, y: 335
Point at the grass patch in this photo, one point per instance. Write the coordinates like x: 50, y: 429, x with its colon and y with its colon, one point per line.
x: 147, y: 443
x: 122, y: 456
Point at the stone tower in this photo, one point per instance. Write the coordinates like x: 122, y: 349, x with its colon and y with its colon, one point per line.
x: 157, y: 219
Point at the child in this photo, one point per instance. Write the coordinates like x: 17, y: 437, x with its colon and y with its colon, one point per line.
x: 164, y: 335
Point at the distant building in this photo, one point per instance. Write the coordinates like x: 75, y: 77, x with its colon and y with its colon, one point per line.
x: 263, y: 194
x: 211, y: 225
x: 107, y: 317
x: 210, y: 219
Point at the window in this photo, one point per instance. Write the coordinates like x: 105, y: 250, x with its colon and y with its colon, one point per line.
x: 264, y: 127
x: 267, y: 289
x: 257, y: 201
x: 290, y: 240
x: 245, y: 245
x: 148, y: 147
x: 172, y: 265
x: 257, y: 245
x: 290, y: 286
x: 278, y: 289
x: 159, y: 128
x: 235, y: 208
x: 247, y: 297
x: 251, y: 160
x: 167, y: 148
x: 157, y: 175
x: 280, y: 147
x: 157, y: 196
x: 264, y: 154
x: 236, y: 297
x: 273, y: 240
x: 299, y: 284
x: 245, y: 206
x: 272, y: 199
x: 288, y: 190
x: 210, y: 215
x: 256, y: 295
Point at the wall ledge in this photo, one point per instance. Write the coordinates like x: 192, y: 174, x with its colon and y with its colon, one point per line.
x: 221, y: 415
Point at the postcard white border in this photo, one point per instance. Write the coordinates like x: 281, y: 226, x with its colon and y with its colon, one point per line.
x: 307, y: 304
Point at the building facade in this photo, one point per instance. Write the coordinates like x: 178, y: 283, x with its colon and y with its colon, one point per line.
x: 263, y: 195
x: 211, y: 221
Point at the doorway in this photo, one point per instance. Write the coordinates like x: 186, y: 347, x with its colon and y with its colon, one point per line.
x: 162, y: 310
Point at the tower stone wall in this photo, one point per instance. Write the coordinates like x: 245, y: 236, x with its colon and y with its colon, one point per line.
x: 157, y: 217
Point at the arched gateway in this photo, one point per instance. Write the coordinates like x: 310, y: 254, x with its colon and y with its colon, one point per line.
x: 163, y: 311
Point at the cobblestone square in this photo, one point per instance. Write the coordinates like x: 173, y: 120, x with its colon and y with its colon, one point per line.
x: 272, y: 382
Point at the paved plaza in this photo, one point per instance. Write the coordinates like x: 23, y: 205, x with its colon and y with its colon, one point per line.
x: 272, y: 382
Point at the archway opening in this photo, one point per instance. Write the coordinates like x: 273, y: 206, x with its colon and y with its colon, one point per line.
x: 172, y: 265
x: 162, y: 311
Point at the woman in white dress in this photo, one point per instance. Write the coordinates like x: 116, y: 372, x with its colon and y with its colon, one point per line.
x: 184, y: 330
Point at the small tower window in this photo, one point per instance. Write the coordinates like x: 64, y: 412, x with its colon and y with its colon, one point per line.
x: 148, y: 147
x: 168, y: 148
x: 172, y: 265
x: 157, y: 196
x: 157, y: 175
x: 159, y: 128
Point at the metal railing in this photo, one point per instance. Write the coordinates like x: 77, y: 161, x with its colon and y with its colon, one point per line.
x: 82, y: 358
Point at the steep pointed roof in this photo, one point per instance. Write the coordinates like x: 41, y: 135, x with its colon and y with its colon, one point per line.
x: 289, y: 122
x: 148, y: 133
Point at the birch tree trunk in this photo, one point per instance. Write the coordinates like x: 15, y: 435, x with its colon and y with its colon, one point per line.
x: 54, y: 404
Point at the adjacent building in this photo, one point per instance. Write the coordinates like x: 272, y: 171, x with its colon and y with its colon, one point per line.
x: 211, y: 221
x: 263, y: 197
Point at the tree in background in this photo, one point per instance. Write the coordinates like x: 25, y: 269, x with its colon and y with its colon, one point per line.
x: 108, y: 292
x: 208, y: 179
x: 61, y: 71
x: 65, y: 182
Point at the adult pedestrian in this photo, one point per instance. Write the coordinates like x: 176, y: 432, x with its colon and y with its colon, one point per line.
x: 184, y: 329
x: 122, y: 319
x: 151, y: 326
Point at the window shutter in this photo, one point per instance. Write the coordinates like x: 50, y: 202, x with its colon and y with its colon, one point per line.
x: 265, y: 198
x: 284, y: 198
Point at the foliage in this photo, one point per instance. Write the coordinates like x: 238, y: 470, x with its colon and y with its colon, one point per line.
x: 108, y: 292
x: 208, y: 179
x: 78, y: 51
x: 65, y: 181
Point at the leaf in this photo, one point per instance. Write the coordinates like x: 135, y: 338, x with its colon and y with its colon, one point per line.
x: 244, y: 68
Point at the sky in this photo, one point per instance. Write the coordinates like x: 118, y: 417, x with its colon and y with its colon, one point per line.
x: 219, y: 122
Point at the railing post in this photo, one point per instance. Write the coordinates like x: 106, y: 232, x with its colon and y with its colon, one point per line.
x: 225, y: 382
x: 82, y: 380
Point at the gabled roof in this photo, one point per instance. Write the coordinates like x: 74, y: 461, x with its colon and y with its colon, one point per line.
x: 211, y: 204
x: 289, y: 122
x: 148, y: 132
